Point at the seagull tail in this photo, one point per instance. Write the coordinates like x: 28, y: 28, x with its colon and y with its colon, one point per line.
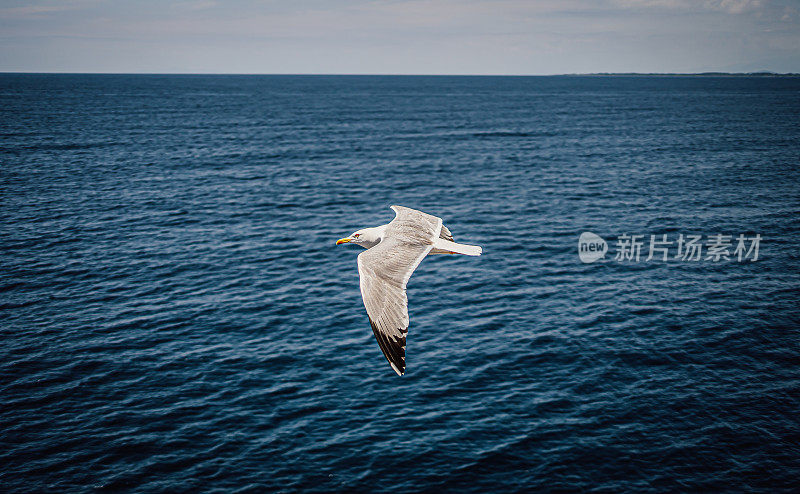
x: 455, y: 248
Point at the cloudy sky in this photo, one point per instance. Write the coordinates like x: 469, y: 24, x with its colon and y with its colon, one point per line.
x: 400, y: 36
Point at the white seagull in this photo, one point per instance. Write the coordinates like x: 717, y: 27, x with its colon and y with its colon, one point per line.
x: 393, y: 252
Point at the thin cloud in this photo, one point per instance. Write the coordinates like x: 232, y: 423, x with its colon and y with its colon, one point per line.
x: 199, y: 5
x: 33, y: 10
x: 728, y: 6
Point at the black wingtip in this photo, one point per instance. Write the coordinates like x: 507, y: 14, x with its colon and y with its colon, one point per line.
x: 393, y: 349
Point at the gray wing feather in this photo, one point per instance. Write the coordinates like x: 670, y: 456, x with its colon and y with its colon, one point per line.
x: 384, y: 271
x: 445, y: 234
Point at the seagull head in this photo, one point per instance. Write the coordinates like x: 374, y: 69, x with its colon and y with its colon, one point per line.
x: 366, y: 237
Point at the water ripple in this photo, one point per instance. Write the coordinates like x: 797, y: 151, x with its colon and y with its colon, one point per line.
x: 175, y: 315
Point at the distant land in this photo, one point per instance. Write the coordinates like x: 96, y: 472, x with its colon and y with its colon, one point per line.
x: 761, y: 73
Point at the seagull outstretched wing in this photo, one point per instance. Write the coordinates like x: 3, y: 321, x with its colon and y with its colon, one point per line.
x: 384, y: 271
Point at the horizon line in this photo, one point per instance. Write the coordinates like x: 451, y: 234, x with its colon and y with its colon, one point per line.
x: 761, y: 73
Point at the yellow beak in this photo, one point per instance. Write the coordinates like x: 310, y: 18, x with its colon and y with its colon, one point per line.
x: 343, y: 241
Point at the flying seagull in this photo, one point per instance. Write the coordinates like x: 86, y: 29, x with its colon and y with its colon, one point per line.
x: 393, y: 252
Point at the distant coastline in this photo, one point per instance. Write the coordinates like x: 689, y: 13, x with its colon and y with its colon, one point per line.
x: 762, y: 73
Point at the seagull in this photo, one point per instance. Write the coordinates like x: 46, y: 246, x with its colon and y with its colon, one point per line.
x: 393, y: 252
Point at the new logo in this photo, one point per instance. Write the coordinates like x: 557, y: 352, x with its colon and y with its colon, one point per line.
x: 591, y: 247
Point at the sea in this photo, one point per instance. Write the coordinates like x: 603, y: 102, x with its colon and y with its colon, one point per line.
x: 176, y: 317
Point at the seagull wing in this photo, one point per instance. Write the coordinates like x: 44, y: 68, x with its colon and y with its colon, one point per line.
x: 384, y: 271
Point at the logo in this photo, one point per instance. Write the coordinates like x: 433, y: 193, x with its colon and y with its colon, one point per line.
x: 687, y: 248
x: 591, y: 247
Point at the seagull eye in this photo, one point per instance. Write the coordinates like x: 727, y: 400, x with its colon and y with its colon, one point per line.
x: 356, y: 235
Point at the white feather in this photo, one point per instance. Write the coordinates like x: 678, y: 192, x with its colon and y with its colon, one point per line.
x: 469, y: 250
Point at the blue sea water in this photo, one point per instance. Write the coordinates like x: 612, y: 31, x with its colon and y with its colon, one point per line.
x: 175, y: 316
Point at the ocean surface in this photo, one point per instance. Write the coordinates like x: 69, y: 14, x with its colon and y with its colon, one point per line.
x: 175, y: 316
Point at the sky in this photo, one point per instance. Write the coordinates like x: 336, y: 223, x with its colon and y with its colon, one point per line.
x: 533, y: 37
